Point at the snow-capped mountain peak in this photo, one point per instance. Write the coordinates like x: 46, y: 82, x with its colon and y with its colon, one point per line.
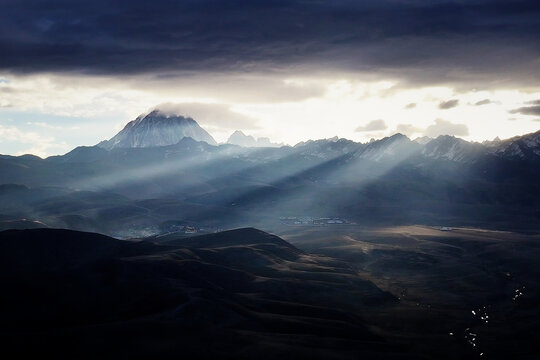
x: 157, y: 129
x: 526, y: 146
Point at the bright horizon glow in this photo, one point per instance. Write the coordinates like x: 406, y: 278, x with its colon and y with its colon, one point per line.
x: 49, y: 114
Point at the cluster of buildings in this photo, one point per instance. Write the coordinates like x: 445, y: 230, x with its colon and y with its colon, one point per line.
x: 181, y: 227
x: 313, y: 221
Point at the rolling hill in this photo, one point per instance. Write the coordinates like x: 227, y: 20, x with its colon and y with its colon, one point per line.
x: 236, y: 294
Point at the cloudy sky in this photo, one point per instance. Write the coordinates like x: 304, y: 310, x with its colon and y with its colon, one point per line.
x: 74, y: 72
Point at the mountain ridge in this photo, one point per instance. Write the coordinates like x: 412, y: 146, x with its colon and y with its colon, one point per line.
x: 239, y: 138
x: 157, y: 129
x: 522, y: 147
x: 129, y: 191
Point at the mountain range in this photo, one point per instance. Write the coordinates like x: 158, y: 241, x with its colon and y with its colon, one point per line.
x: 148, y: 246
x: 158, y: 129
x: 132, y: 184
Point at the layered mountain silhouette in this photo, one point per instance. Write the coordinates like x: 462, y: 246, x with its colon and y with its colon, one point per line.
x: 130, y: 185
x: 164, y: 292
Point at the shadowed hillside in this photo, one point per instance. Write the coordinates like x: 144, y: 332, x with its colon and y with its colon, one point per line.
x: 237, y: 294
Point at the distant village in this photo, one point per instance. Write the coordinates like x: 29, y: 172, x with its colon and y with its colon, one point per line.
x: 313, y: 221
x: 187, y: 228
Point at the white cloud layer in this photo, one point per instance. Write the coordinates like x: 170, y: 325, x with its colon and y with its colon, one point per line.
x: 22, y: 142
x: 51, y: 114
x: 443, y: 127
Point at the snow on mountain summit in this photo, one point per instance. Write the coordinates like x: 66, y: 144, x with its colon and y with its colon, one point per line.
x: 452, y: 148
x: 526, y: 146
x: 395, y: 147
x: 157, y: 129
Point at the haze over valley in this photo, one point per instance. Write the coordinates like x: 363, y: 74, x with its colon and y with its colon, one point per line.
x: 270, y: 179
x: 164, y: 169
x: 406, y: 234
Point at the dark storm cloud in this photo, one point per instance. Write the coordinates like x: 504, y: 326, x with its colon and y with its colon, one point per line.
x: 448, y: 104
x: 527, y: 110
x: 424, y: 41
x: 483, y: 102
x: 410, y: 106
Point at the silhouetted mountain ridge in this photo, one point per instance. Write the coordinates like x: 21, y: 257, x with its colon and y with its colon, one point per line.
x: 135, y: 190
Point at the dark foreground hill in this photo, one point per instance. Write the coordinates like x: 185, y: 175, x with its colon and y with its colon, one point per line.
x: 240, y: 294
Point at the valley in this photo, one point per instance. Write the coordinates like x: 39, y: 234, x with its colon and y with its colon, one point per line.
x: 449, y: 284
x: 330, y: 249
x: 270, y: 180
x: 406, y: 292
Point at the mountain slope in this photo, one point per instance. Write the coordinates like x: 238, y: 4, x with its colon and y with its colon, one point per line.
x: 157, y: 129
x: 392, y: 179
x: 451, y: 148
x: 397, y: 147
x: 519, y: 147
x: 241, y: 139
x: 237, y: 294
